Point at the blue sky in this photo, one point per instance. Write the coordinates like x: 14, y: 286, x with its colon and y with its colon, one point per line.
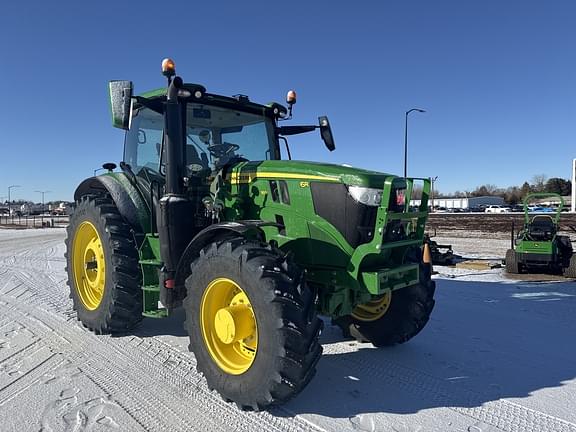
x: 498, y: 81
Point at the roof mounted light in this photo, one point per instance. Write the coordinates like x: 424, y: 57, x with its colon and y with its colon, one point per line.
x: 291, y: 97
x: 290, y: 100
x: 168, y: 67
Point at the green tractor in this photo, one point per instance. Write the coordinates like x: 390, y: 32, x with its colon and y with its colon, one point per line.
x: 204, y: 214
x: 538, y: 247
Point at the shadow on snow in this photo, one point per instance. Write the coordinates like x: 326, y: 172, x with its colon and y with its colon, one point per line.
x: 485, y: 341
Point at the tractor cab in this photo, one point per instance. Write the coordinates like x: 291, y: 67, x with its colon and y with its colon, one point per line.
x: 214, y: 136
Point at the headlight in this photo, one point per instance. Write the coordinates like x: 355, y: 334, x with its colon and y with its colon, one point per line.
x: 366, y: 196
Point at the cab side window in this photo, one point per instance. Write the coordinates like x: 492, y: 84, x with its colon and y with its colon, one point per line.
x: 144, y: 140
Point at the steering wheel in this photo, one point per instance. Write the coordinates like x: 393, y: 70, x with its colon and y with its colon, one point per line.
x: 221, y: 150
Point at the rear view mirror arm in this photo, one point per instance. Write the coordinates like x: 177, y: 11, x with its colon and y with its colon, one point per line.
x: 294, y: 130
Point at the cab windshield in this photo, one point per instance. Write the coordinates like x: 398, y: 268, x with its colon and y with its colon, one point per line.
x: 220, y: 135
x: 214, y: 136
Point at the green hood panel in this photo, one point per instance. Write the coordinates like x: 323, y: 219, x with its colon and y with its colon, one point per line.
x: 309, y: 171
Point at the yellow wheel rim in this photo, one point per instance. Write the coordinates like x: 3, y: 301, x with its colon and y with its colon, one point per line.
x: 229, y: 326
x: 374, y: 309
x: 88, y: 265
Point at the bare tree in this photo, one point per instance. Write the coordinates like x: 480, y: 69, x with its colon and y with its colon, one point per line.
x: 513, y: 195
x: 484, y: 190
x: 539, y: 182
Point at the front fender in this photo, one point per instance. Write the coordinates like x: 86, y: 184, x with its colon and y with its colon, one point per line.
x: 250, y: 229
x: 127, y: 198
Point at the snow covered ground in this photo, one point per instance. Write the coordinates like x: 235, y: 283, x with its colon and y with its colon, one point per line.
x: 498, y: 355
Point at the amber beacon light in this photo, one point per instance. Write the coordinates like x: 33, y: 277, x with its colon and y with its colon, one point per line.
x: 168, y: 67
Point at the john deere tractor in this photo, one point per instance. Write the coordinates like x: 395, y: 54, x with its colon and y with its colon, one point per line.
x: 538, y: 246
x: 204, y: 214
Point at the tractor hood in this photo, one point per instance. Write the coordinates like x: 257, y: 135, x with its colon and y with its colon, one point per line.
x: 308, y: 171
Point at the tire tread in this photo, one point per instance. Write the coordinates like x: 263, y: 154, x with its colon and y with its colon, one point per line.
x: 123, y: 311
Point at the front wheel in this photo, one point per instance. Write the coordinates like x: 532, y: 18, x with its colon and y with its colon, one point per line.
x: 252, y: 323
x: 395, y: 317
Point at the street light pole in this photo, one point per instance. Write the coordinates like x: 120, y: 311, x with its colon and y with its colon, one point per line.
x: 406, y: 138
x: 10, y: 202
x: 432, y: 180
x: 42, y: 214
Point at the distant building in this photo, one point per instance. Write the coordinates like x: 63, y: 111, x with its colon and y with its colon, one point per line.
x: 30, y: 208
x: 463, y: 203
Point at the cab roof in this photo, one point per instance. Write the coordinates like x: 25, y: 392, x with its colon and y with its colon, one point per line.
x: 240, y: 102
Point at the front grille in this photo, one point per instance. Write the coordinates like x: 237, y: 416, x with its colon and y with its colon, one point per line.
x: 353, y: 220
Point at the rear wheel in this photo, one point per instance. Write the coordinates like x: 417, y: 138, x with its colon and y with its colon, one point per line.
x: 394, y: 317
x: 512, y: 265
x: 102, y: 266
x: 252, y: 323
x: 570, y: 271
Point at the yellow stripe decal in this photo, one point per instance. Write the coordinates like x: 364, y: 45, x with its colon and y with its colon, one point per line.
x: 249, y: 177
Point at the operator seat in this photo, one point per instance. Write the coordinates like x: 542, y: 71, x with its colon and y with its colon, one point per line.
x: 192, y: 157
x: 542, y: 228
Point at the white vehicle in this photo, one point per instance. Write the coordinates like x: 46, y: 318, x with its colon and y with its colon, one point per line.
x: 496, y: 209
x: 61, y: 209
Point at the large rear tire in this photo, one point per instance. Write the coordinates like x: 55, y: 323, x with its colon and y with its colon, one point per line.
x: 396, y: 317
x: 102, y: 266
x: 252, y: 323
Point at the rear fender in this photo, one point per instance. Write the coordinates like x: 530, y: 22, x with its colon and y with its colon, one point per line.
x: 127, y: 198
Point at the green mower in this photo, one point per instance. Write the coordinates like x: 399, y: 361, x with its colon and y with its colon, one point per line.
x: 538, y: 247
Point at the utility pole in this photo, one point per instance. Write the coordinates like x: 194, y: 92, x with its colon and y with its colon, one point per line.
x: 42, y: 214
x: 10, y: 202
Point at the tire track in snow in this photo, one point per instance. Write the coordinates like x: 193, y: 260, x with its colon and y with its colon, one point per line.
x: 178, y: 369
x: 173, y: 366
x: 119, y: 371
x: 131, y: 386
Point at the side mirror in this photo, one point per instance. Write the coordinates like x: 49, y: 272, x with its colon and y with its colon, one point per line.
x: 121, y: 103
x: 326, y: 133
